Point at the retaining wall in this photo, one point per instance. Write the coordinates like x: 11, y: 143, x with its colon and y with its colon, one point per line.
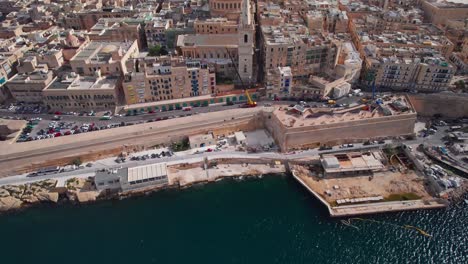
x: 447, y: 105
x: 351, y: 131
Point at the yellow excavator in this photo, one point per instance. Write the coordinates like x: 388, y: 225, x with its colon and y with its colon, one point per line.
x: 250, y: 102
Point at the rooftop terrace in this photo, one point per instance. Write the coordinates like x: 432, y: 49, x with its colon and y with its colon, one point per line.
x: 101, y: 51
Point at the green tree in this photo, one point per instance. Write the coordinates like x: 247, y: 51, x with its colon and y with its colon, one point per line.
x: 460, y: 85
x: 157, y: 50
x: 77, y: 162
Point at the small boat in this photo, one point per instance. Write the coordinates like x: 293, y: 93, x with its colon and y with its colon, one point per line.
x: 466, y: 201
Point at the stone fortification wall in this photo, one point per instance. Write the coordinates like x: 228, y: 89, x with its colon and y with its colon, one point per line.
x: 447, y: 105
x: 334, y: 133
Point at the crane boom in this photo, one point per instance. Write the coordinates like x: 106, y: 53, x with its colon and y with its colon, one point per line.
x: 250, y: 102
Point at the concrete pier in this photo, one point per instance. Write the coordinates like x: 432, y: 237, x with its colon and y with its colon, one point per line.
x: 372, y: 208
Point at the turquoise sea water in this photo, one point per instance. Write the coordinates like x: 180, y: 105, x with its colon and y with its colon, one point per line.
x: 272, y: 220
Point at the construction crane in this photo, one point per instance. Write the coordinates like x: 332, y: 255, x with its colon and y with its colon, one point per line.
x: 250, y: 102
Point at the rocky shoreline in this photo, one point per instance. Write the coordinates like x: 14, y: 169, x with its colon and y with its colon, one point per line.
x: 19, y: 196
x: 82, y: 191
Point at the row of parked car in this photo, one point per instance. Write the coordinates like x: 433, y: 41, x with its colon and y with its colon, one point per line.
x: 26, y: 132
x: 82, y: 113
x: 27, y: 109
x: 367, y: 143
x: 58, y: 129
x: 146, y: 156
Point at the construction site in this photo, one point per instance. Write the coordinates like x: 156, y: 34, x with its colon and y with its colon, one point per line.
x: 351, y: 183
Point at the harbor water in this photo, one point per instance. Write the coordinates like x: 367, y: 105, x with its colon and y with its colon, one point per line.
x: 268, y: 220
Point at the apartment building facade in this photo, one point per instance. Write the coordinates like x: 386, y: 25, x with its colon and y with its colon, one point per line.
x: 426, y: 74
x: 86, y: 19
x: 168, y: 78
x: 226, y: 8
x: 304, y: 54
x: 155, y: 31
x: 27, y: 87
x: 74, y: 93
x: 9, y: 57
x: 218, y: 25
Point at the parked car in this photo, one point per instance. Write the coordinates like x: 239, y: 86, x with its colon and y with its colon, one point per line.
x: 325, y: 148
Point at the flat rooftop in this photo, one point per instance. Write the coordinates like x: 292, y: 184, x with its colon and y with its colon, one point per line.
x: 425, y: 35
x: 35, y: 76
x: 224, y: 40
x: 450, y: 3
x: 142, y: 173
x: 397, y: 105
x: 352, y: 161
x: 291, y: 33
x: 84, y: 83
x: 101, y: 51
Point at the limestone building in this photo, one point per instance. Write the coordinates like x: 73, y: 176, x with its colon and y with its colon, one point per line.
x: 118, y: 29
x: 217, y: 25
x: 127, y: 179
x: 226, y: 8
x: 166, y: 78
x: 155, y: 31
x: 109, y: 58
x: 426, y: 74
x: 229, y: 51
x: 27, y: 85
x: 74, y: 93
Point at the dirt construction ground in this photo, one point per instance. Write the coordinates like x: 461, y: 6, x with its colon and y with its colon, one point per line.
x: 382, y: 184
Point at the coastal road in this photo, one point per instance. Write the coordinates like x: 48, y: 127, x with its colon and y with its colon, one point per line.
x: 177, y: 158
x: 159, y: 132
